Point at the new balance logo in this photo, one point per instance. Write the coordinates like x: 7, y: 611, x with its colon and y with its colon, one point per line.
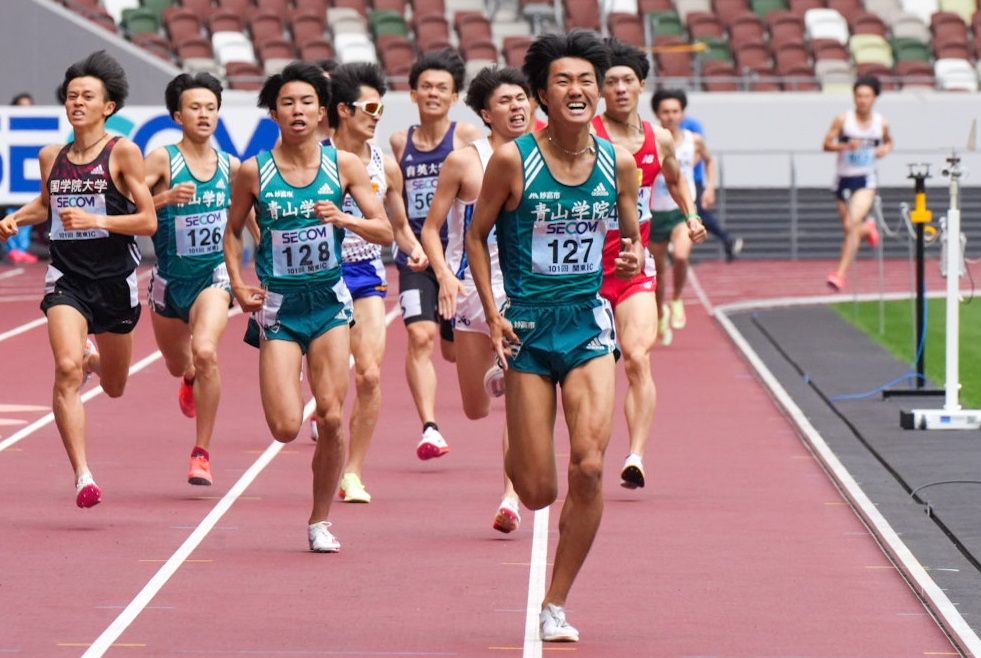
x: 220, y: 185
x: 599, y: 190
x: 325, y: 189
x: 648, y: 159
x: 98, y: 171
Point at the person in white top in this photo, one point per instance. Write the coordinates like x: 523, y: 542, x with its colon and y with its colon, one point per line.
x: 860, y: 137
x: 669, y: 220
x: 501, y: 98
x: 356, y: 108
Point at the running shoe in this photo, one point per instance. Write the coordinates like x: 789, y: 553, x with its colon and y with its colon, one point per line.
x: 432, y: 444
x: 508, y: 517
x: 632, y: 474
x: 352, y: 489
x: 872, y: 233
x: 494, y: 382
x: 200, y: 471
x: 87, y: 492
x: 733, y: 248
x: 321, y: 539
x: 185, y: 398
x: 664, y: 327
x: 678, y: 319
x: 87, y: 351
x: 835, y: 282
x: 20, y: 257
x: 554, y: 627
x: 314, y: 430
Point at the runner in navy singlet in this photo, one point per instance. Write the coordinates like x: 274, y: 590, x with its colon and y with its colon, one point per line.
x: 93, y: 189
x: 435, y: 80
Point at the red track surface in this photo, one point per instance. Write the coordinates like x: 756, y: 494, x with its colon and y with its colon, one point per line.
x: 740, y: 546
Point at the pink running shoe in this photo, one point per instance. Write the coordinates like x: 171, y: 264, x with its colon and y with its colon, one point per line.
x: 185, y: 398
x: 87, y: 492
x: 872, y: 235
x: 508, y: 518
x: 835, y: 282
x: 432, y: 445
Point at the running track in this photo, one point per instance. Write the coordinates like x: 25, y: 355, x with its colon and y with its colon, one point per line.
x: 741, y: 545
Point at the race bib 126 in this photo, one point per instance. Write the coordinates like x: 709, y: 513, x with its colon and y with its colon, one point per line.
x: 200, y: 234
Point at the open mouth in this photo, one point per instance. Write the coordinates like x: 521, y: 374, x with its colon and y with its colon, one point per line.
x: 576, y: 107
x: 518, y: 121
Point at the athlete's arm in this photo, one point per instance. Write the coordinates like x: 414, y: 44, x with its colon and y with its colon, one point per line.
x: 447, y: 190
x: 158, y: 180
x: 397, y: 142
x: 395, y: 206
x: 466, y: 133
x: 37, y: 209
x: 885, y: 148
x: 631, y: 258
x: 832, y: 138
x: 711, y: 171
x: 244, y: 193
x: 677, y: 185
x: 374, y: 226
x: 128, y: 173
x: 234, y: 165
x: 497, y: 191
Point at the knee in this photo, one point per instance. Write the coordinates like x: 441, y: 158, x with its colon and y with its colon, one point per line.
x: 205, y: 358
x: 420, y: 341
x: 680, y: 260
x: 284, y: 430
x: 586, y: 473
x: 536, y: 495
x: 68, y: 372
x: 175, y: 368
x: 368, y: 378
x: 329, y: 418
x: 113, y: 389
x: 476, y: 410
x: 636, y: 361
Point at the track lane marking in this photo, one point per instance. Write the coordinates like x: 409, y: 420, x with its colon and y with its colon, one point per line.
x: 536, y: 585
x: 9, y: 274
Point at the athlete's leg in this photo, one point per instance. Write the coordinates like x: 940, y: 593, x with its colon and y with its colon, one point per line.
x: 587, y: 398
x: 419, y: 369
x: 368, y: 348
x: 530, y: 461
x: 659, y: 250
x: 474, y: 357
x: 636, y: 320
x: 853, y: 214
x: 680, y: 251
x: 447, y: 348
x: 173, y: 338
x: 66, y: 332
x: 328, y: 361
x: 209, y: 317
x: 115, y: 355
x: 280, y: 362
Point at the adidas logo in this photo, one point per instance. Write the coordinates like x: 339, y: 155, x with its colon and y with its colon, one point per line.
x: 408, y: 158
x: 220, y: 185
x: 325, y: 189
x: 98, y: 171
x: 599, y: 190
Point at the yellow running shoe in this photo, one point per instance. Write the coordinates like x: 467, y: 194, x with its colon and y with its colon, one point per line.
x: 678, y: 319
x: 352, y: 489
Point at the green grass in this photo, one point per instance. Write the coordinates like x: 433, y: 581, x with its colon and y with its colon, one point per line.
x: 898, y: 337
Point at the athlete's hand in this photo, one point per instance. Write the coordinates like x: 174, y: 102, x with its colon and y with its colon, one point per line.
x: 330, y: 214
x: 627, y: 265
x: 75, y: 219
x: 502, y: 338
x: 181, y: 193
x: 449, y: 289
x: 708, y: 197
x: 696, y: 230
x: 418, y: 261
x: 8, y: 227
x: 250, y: 298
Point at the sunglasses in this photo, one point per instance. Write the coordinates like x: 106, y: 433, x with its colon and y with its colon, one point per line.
x: 373, y: 109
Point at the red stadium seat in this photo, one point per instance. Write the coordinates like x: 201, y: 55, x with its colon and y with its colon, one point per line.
x: 727, y: 9
x: 719, y: 75
x: 645, y: 7
x: 182, y: 23
x: 431, y: 27
x: 200, y: 7
x: 279, y: 7
x: 241, y: 7
x: 275, y: 49
x: 582, y: 14
x: 752, y: 55
x: 885, y: 75
x: 746, y: 27
x: 703, y: 24
x: 868, y: 23
x: 628, y: 28
x: 800, y: 78
x: 155, y: 44
x: 472, y: 25
x: 266, y: 25
x: 790, y: 56
x: 313, y: 50
x: 398, y: 6
x: 829, y: 49
x: 244, y: 75
x: 479, y: 49
x: 800, y: 7
x: 306, y: 26
x: 225, y: 20
x: 396, y: 51
x: 194, y: 48
x: 423, y: 7
x: 515, y: 49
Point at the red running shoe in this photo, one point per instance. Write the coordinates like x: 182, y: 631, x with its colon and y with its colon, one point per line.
x: 185, y: 397
x: 87, y: 492
x: 835, y: 282
x: 200, y: 471
x: 872, y: 235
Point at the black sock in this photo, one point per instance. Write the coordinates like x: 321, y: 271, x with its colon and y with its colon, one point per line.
x: 427, y: 425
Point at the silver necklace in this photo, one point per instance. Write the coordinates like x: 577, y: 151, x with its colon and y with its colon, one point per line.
x: 586, y: 149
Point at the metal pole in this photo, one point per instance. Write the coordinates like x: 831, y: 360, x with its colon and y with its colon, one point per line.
x: 952, y: 386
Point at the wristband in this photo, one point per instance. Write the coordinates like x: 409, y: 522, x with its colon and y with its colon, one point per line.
x: 693, y: 215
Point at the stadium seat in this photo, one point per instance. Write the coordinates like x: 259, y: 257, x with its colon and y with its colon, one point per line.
x: 359, y: 6
x: 621, y: 6
x: 158, y: 6
x: 140, y: 20
x: 628, y: 28
x: 154, y: 43
x: 482, y: 49
x: 194, y: 65
x: 315, y: 49
x: 885, y: 75
x: 834, y: 75
x: 800, y: 78
x: 922, y: 9
x: 182, y: 23
x: 115, y: 8
x: 726, y: 9
x: 829, y: 49
x: 704, y: 24
x: 746, y: 27
x: 909, y: 26
x: 307, y: 26
x: 422, y: 7
x: 907, y: 49
x: 242, y: 7
x: 318, y: 7
x: 279, y: 7
x: 870, y: 49
x: 677, y: 64
x: 884, y: 9
x: 752, y: 56
x: 384, y: 23
x: 503, y: 29
x: 826, y: 24
x: 276, y: 49
x: 515, y: 49
x: 720, y: 75
x: 429, y: 27
x: 225, y: 20
x: 963, y: 8
x: 194, y: 48
x: 200, y: 7
x: 645, y: 7
x: 955, y: 75
x: 397, y: 6
x: 868, y: 23
x: 785, y: 27
x: 396, y: 52
x: 357, y: 52
x: 265, y: 24
x: 790, y: 56
x: 801, y: 7
x: 665, y: 24
x: 915, y: 74
x: 951, y: 50
x: 947, y: 20
x: 716, y: 49
x: 472, y: 26
x: 232, y: 47
x: 582, y: 14
x: 848, y: 9
x: 244, y: 75
x: 764, y: 8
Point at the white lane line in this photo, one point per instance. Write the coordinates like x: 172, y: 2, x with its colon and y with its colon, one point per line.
x: 926, y: 587
x: 699, y: 291
x: 9, y: 274
x: 536, y: 585
x: 105, y: 641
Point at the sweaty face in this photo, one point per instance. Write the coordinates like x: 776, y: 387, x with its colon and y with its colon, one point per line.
x: 86, y: 103
x: 434, y: 93
x: 199, y: 112
x: 508, y: 111
x: 572, y: 91
x: 298, y: 109
x: 621, y: 89
x: 670, y: 113
x: 864, y: 99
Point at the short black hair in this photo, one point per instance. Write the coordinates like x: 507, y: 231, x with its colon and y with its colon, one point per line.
x: 186, y: 81
x: 581, y: 44
x: 623, y: 54
x: 869, y: 81
x: 346, y: 82
x: 295, y: 72
x: 104, y: 67
x: 486, y: 82
x: 662, y: 95
x: 327, y: 65
x: 442, y: 60
x: 21, y: 96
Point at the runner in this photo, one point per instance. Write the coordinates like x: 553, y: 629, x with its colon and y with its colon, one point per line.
x: 190, y: 292
x: 634, y: 301
x: 860, y: 137
x: 435, y: 81
x: 302, y: 307
x: 94, y: 190
x: 549, y: 195
x: 500, y: 98
x: 355, y: 110
x: 671, y: 215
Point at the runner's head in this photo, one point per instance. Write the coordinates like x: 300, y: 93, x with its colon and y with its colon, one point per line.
x: 669, y: 107
x: 624, y: 80
x: 500, y: 97
x: 865, y: 90
x: 435, y: 81
x: 565, y: 72
x: 193, y: 101
x: 94, y: 89
x: 356, y: 92
x: 327, y: 66
x: 297, y: 99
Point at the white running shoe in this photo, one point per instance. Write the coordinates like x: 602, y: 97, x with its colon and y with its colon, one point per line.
x: 314, y: 431
x: 87, y: 351
x: 321, y: 539
x: 554, y: 627
x: 632, y: 473
x: 678, y: 318
x: 494, y: 382
x: 508, y: 517
x: 352, y: 489
x: 664, y: 327
x: 432, y: 444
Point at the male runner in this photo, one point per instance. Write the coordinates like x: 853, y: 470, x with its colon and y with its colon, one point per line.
x: 549, y: 195
x: 634, y: 301
x: 356, y: 108
x: 860, y: 137
x: 302, y: 307
x: 434, y: 80
x: 190, y: 292
x: 500, y: 98
x: 670, y: 217
x: 95, y: 192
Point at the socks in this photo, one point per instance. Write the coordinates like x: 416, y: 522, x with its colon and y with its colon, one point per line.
x: 200, y: 452
x: 427, y: 425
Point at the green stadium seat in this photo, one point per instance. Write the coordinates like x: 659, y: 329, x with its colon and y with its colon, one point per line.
x: 388, y: 22
x: 665, y: 24
x: 157, y: 6
x: 717, y: 49
x: 140, y: 20
x: 908, y: 49
x: 762, y: 8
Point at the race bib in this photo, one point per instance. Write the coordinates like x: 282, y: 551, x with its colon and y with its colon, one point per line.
x: 863, y: 157
x: 303, y: 251
x: 91, y: 203
x: 567, y: 247
x: 200, y: 234
x: 644, y: 204
x: 419, y: 194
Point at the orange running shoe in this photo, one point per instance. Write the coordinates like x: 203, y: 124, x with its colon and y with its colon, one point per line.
x: 185, y: 398
x: 200, y: 472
